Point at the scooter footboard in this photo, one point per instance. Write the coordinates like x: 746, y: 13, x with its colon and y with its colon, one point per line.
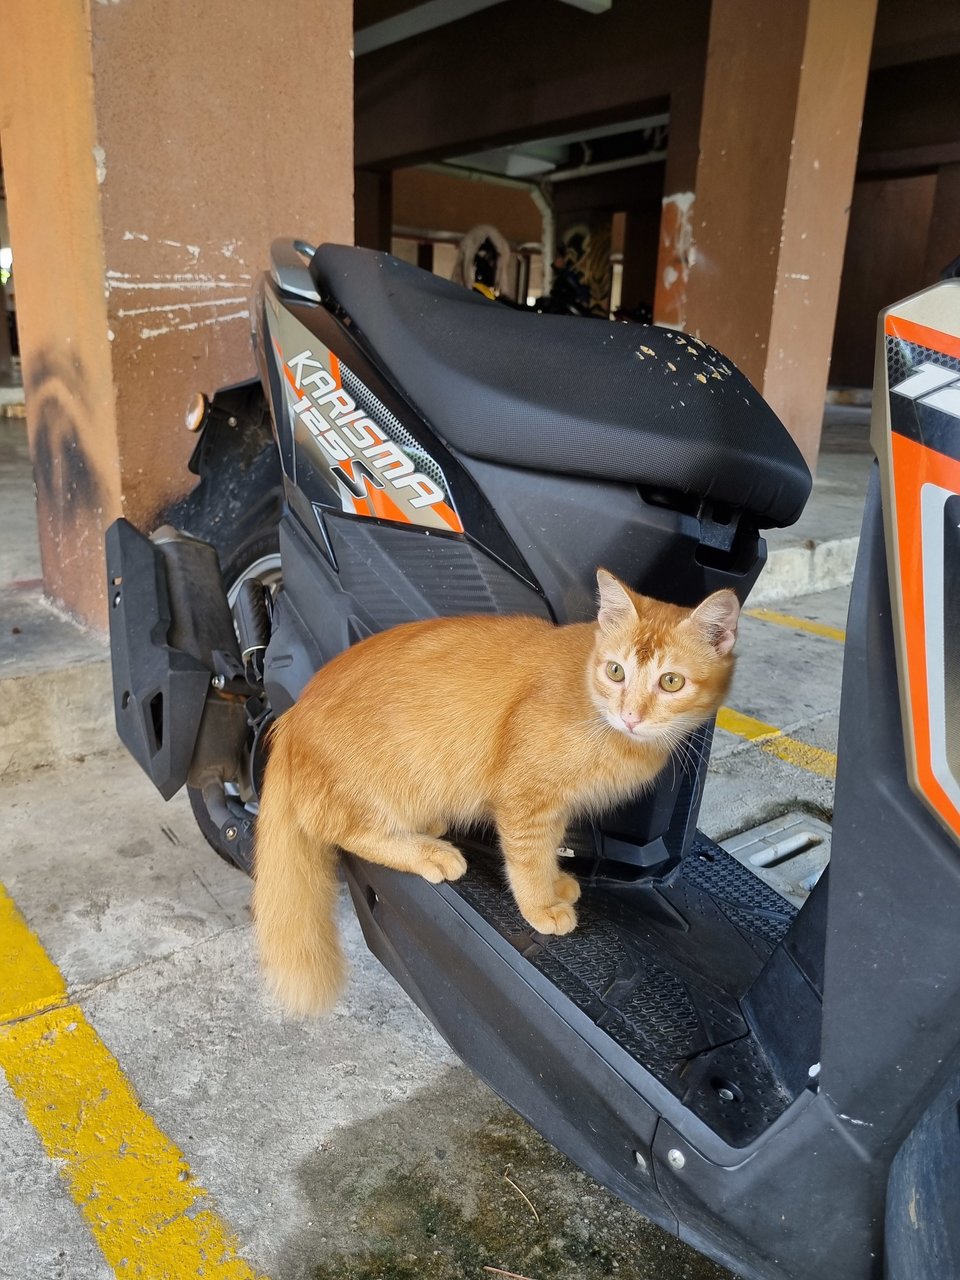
x: 170, y: 633
x: 620, y: 1055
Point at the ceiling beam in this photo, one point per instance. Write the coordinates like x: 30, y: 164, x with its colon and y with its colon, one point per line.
x: 590, y: 6
x: 415, y: 22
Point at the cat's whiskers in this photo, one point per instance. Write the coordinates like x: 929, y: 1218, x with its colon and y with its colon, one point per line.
x: 694, y: 755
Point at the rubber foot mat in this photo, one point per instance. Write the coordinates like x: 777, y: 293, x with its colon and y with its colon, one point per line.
x: 649, y: 969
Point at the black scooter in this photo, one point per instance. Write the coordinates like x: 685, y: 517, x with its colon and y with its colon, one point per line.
x: 781, y: 1088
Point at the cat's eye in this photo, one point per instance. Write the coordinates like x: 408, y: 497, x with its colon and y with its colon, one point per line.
x: 615, y: 671
x: 671, y: 681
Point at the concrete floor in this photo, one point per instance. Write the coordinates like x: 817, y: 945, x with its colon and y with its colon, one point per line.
x: 357, y: 1146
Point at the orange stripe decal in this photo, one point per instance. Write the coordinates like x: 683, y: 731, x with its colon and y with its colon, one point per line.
x: 288, y: 373
x: 386, y: 508
x: 897, y: 327
x: 447, y: 514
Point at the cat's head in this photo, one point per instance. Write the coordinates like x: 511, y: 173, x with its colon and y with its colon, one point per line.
x: 658, y: 671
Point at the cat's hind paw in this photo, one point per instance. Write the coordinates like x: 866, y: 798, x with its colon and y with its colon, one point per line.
x: 566, y: 887
x: 558, y: 917
x: 441, y: 861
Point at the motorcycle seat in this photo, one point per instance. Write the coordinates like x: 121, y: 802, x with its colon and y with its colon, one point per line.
x: 635, y: 403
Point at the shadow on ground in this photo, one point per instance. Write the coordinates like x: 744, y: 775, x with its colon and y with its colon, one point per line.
x: 420, y: 1192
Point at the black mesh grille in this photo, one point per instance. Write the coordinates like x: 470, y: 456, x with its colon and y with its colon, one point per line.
x: 401, y: 575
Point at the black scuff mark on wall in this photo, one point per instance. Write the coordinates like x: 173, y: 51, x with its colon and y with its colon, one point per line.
x: 69, y: 488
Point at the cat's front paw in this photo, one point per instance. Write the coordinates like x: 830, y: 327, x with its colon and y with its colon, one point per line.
x: 557, y: 917
x: 566, y: 887
x: 441, y: 861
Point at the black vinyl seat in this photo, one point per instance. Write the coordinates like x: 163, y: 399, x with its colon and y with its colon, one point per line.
x: 626, y: 402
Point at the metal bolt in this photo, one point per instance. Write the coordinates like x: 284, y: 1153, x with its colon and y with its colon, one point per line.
x: 218, y: 682
x: 725, y: 1095
x: 676, y: 1158
x: 231, y: 833
x: 641, y: 1161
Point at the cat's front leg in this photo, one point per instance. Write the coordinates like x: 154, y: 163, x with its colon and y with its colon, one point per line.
x: 544, y: 893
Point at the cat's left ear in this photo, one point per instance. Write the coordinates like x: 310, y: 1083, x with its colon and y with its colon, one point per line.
x: 716, y: 620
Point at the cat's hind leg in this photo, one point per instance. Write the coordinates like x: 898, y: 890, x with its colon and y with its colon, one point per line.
x: 423, y: 855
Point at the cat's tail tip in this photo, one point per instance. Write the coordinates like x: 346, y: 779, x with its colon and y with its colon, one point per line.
x: 309, y: 989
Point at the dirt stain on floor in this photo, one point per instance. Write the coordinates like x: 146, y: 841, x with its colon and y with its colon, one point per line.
x: 420, y: 1193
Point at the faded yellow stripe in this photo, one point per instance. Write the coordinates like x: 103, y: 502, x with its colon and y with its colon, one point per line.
x: 744, y: 726
x: 802, y: 754
x: 131, y: 1182
x: 776, y: 743
x: 29, y: 980
x: 797, y: 624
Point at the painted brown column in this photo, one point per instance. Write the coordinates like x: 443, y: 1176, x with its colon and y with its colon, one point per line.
x: 641, y: 232
x: 674, y: 254
x: 943, y: 240
x: 783, y: 98
x: 374, y: 208
x: 5, y: 350
x: 143, y: 194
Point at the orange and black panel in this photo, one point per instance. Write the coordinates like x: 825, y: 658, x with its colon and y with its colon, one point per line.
x: 923, y: 498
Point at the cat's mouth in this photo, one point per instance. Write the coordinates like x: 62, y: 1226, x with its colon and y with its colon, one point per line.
x: 640, y: 732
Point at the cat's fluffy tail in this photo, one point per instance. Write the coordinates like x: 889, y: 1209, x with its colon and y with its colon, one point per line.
x: 294, y: 901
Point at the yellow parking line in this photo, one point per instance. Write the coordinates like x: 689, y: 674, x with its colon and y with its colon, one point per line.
x: 797, y: 624
x: 132, y: 1184
x: 31, y: 981
x: 776, y: 743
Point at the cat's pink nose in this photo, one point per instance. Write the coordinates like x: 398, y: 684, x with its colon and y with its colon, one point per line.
x: 630, y: 719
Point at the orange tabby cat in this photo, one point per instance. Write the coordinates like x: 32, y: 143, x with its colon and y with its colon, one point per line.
x: 435, y: 725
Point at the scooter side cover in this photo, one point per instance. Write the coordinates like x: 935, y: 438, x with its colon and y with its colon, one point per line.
x: 916, y: 436
x: 348, y: 451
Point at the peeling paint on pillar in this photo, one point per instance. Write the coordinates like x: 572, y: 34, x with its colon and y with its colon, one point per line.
x: 676, y: 256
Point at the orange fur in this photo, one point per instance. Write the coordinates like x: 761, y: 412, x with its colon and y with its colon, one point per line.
x: 438, y: 724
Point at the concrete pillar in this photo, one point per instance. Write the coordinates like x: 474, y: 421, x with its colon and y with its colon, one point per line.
x: 151, y: 153
x: 676, y: 219
x: 374, y: 208
x: 641, y: 232
x: 887, y: 244
x: 5, y: 350
x: 783, y: 98
x: 943, y: 241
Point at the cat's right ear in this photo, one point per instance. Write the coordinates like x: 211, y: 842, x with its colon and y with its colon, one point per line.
x: 616, y: 607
